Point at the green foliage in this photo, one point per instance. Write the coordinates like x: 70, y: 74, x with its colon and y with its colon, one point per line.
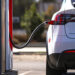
x: 19, y: 6
x: 30, y: 20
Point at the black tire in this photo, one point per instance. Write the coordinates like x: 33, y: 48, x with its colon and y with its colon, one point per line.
x: 50, y: 71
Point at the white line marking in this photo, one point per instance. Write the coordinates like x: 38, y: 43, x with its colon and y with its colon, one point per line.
x: 30, y: 49
x: 25, y: 73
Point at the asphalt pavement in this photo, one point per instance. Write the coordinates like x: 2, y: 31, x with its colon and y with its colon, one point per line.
x: 30, y: 64
x: 27, y: 62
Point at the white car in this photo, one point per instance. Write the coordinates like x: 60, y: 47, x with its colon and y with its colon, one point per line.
x: 61, y: 40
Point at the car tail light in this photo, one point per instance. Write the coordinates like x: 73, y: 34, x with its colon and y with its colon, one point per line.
x: 69, y: 51
x: 59, y: 20
x: 62, y: 19
x: 73, y: 18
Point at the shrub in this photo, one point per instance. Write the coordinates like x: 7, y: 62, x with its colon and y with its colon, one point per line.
x: 32, y: 19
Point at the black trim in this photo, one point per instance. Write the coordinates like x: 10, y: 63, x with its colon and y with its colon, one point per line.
x: 67, y: 61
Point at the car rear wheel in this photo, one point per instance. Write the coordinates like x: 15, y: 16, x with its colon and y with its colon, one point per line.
x: 50, y: 71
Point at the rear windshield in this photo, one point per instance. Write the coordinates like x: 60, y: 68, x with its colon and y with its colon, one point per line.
x: 73, y: 3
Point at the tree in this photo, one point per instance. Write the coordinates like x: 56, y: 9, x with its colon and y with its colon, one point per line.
x: 30, y: 20
x: 19, y: 7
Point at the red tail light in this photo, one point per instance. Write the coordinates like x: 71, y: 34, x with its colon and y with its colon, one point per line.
x: 70, y: 51
x: 59, y: 20
x: 62, y: 19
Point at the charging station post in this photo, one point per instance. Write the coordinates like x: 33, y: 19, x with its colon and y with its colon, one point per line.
x: 2, y: 36
x: 6, y: 53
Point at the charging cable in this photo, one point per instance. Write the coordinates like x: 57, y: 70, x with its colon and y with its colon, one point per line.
x: 30, y: 38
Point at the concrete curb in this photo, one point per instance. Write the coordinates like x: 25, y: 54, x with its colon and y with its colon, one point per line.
x: 30, y: 50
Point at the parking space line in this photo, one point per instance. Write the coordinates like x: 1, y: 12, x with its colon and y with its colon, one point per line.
x: 25, y: 73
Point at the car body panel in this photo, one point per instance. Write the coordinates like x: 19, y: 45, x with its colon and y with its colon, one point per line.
x: 57, y: 39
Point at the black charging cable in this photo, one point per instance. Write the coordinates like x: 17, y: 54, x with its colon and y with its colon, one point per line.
x: 30, y: 38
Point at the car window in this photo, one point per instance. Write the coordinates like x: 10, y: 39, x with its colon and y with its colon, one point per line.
x: 73, y: 3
